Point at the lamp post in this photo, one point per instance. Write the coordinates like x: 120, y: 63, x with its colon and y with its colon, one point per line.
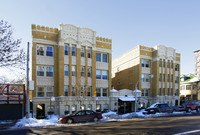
x: 137, y: 92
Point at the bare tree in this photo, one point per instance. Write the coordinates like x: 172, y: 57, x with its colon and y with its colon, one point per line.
x: 11, y: 55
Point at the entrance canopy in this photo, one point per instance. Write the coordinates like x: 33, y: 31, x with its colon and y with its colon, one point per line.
x: 127, y: 99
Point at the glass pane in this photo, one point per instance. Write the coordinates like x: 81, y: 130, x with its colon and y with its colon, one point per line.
x: 105, y: 58
x: 98, y: 74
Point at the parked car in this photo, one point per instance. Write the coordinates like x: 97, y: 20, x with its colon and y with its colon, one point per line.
x: 81, y: 116
x: 158, y: 108
x: 189, y: 106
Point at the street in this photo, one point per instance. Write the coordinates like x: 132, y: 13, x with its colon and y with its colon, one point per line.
x: 152, y: 126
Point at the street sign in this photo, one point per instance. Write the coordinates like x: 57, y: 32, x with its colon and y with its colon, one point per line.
x: 96, y: 98
x: 53, y: 99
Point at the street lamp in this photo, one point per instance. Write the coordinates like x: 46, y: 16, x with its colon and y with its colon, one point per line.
x: 137, y: 92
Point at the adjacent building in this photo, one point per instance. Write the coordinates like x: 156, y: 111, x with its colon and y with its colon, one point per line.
x: 197, y: 62
x: 73, y: 65
x: 189, y: 88
x: 155, y: 71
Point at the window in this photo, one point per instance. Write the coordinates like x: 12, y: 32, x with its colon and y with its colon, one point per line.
x: 171, y: 78
x: 98, y: 57
x: 168, y: 78
x: 82, y: 91
x: 89, y: 71
x: 49, y: 51
x: 82, y: 51
x: 160, y: 91
x: 168, y: 64
x: 66, y: 90
x: 98, y: 74
x: 40, y: 50
x: 49, y: 71
x: 66, y: 50
x: 73, y: 91
x: 176, y: 67
x: 142, y: 93
x: 172, y: 64
x: 176, y: 80
x: 160, y: 63
x: 40, y: 91
x: 168, y: 90
x: 145, y: 63
x: 142, y: 78
x: 89, y: 52
x: 160, y: 77
x: 105, y: 75
x: 73, y: 50
x: 49, y: 92
x: 83, y: 71
x: 188, y: 87
x: 89, y: 91
x: 163, y: 91
x: 40, y: 70
x: 163, y: 77
x: 45, y: 91
x: 66, y: 68
x: 105, y: 58
x: 145, y: 78
x: 105, y: 92
x: 176, y: 92
x: 89, y: 108
x: 146, y: 92
x: 73, y: 70
x: 163, y: 63
x: 98, y: 91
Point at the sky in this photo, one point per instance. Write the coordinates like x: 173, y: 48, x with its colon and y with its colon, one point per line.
x: 173, y: 23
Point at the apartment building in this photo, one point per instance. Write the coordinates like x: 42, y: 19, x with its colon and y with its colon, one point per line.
x: 71, y: 68
x: 156, y: 69
x: 197, y: 62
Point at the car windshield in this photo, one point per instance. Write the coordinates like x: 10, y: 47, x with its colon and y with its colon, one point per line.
x: 154, y: 105
x: 74, y: 113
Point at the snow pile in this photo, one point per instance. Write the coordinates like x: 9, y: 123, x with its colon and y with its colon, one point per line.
x: 110, y: 116
x: 32, y: 122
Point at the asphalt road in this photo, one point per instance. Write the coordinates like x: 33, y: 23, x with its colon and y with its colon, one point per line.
x: 148, y: 126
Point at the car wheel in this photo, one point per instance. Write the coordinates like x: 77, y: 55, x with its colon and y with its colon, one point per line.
x: 198, y: 109
x: 69, y: 121
x: 189, y: 110
x: 95, y: 119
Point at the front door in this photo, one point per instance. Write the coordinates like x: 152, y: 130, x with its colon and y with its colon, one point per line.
x: 40, y: 114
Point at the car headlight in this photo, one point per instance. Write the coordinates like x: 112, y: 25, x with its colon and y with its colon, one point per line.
x: 152, y: 110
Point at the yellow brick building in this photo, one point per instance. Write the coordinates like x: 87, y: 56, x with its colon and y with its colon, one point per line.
x: 139, y: 63
x: 73, y: 65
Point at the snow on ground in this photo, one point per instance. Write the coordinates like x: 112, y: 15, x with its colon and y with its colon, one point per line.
x: 110, y: 116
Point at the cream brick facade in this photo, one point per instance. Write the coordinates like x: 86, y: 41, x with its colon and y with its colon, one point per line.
x: 137, y: 64
x: 64, y: 66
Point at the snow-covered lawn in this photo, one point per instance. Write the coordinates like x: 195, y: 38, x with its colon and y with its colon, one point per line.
x: 110, y: 116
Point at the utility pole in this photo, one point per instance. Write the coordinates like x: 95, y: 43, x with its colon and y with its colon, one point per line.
x: 27, y: 85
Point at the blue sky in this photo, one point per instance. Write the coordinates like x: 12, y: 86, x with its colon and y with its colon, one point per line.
x: 173, y: 23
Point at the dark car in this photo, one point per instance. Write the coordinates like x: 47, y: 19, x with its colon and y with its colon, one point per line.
x: 189, y: 106
x: 158, y: 108
x: 81, y: 116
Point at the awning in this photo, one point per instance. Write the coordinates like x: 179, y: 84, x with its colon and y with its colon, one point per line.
x: 127, y: 99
